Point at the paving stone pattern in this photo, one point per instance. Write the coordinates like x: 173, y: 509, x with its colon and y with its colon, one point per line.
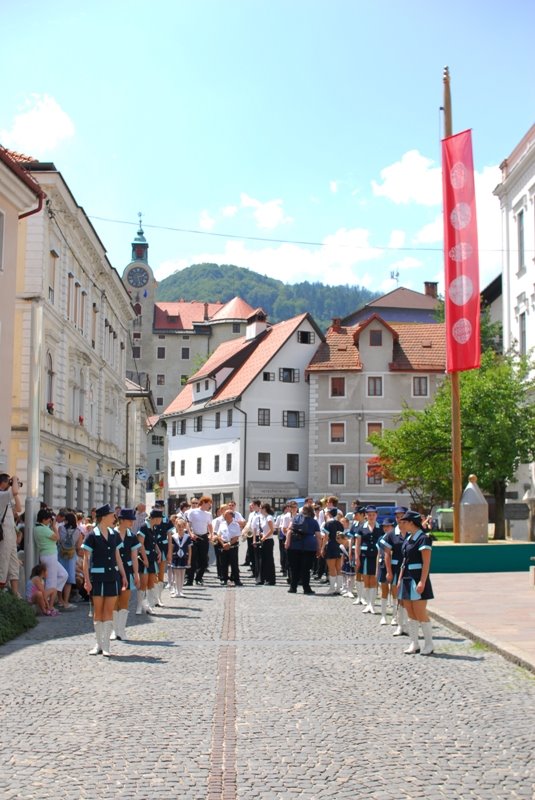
x: 255, y: 693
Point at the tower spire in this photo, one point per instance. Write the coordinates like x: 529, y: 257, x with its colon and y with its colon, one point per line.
x: 139, y: 245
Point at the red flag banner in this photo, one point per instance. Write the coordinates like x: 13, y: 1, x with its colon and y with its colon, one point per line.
x: 461, y: 257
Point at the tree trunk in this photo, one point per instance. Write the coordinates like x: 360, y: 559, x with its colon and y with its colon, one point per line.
x: 499, y: 509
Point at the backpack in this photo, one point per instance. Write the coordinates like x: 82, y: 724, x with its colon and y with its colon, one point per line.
x: 299, y: 529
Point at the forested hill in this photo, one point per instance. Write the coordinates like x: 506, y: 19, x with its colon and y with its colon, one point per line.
x: 220, y: 283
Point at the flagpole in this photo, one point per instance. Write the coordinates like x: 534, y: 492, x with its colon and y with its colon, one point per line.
x: 456, y: 454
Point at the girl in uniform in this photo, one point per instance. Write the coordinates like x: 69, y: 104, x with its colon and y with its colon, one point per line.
x: 128, y: 551
x: 384, y: 583
x: 162, y: 530
x: 414, y: 585
x: 348, y: 559
x: 180, y: 555
x: 331, y: 550
x: 149, y: 557
x: 359, y: 518
x: 366, y: 559
x: 104, y: 575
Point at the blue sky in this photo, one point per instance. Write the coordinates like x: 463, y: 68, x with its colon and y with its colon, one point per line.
x: 297, y: 121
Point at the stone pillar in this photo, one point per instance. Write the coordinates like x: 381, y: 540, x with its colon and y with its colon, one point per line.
x: 474, y: 514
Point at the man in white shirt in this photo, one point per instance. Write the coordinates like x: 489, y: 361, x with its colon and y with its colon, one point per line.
x: 200, y: 521
x: 228, y: 535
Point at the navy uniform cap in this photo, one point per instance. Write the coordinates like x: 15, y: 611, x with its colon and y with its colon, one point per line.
x: 361, y: 510
x: 371, y: 508
x: 127, y: 513
x: 155, y: 513
x: 412, y: 516
x: 400, y: 510
x: 103, y: 511
x: 389, y: 521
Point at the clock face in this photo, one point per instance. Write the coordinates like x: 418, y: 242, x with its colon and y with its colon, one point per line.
x: 138, y: 277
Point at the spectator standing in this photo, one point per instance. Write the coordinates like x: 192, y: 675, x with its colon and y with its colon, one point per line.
x: 200, y: 520
x: 46, y: 536
x: 9, y: 562
x: 302, y: 545
x: 70, y: 539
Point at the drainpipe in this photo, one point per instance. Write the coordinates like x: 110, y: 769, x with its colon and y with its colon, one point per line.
x: 32, y: 503
x: 34, y: 211
x: 244, y: 456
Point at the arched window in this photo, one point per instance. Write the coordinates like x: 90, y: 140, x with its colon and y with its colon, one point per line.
x: 49, y: 379
x: 69, y: 499
x: 90, y: 496
x: 79, y: 493
x: 48, y: 484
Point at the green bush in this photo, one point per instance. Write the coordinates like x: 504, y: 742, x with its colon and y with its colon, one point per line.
x: 16, y: 616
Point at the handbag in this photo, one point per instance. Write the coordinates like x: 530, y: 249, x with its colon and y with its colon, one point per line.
x: 2, y: 523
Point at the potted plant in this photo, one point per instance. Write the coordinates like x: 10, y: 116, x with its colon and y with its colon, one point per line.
x: 50, y: 407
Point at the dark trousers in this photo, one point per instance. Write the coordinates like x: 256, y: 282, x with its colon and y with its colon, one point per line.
x: 283, y: 554
x: 229, y: 560
x: 199, y: 559
x: 219, y: 561
x: 257, y: 561
x: 267, y: 567
x: 249, y: 556
x: 300, y: 563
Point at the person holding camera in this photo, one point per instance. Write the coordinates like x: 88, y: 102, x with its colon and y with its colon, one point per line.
x: 9, y: 502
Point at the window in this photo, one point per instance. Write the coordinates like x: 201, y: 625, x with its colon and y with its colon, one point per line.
x: 374, y: 427
x: 160, y: 380
x: 182, y: 467
x: 376, y: 338
x: 264, y: 416
x: 229, y: 462
x: 185, y: 353
x: 185, y: 336
x: 216, y: 463
x: 268, y: 376
x: 136, y: 335
x: 182, y: 430
x: 197, y: 424
x: 338, y: 387
x: 206, y: 385
x: 336, y: 474
x: 236, y: 327
x: 419, y: 386
x: 264, y: 461
x: 157, y: 465
x: 49, y: 383
x: 136, y: 352
x: 338, y: 432
x: 288, y: 375
x: 160, y: 352
x: 198, y: 386
x: 292, y: 462
x: 157, y: 440
x: 172, y: 469
x: 218, y: 419
x: 161, y: 336
x: 293, y: 419
x: 199, y: 466
x: 159, y: 401
x: 522, y: 344
x: 306, y: 337
x: 375, y: 387
x: 520, y: 239
x: 229, y: 418
x: 173, y: 429
x: 183, y: 380
x: 373, y: 476
x: 52, y: 267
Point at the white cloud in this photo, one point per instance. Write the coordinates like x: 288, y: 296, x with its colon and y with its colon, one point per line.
x: 268, y: 215
x: 413, y: 179
x: 39, y: 127
x: 333, y: 186
x: 408, y: 262
x: 229, y: 211
x: 206, y: 222
x: 335, y: 263
x: 432, y: 233
x: 397, y: 239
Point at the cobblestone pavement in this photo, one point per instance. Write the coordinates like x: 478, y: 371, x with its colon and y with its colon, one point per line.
x: 254, y: 693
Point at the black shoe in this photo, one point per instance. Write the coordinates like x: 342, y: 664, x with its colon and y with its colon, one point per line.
x: 309, y: 591
x: 245, y: 564
x: 238, y: 583
x: 199, y: 582
x: 292, y: 591
x: 188, y: 583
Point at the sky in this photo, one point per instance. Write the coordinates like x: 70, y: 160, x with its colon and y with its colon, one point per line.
x: 297, y: 138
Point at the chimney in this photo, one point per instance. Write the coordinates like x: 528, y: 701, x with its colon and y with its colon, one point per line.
x: 206, y: 311
x: 337, y: 324
x: 431, y: 289
x: 256, y: 324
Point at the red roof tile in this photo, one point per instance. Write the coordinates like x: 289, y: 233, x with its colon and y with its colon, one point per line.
x: 404, y: 298
x: 234, y: 309
x: 182, y: 315
x: 337, y: 352
x: 252, y: 357
x: 14, y: 161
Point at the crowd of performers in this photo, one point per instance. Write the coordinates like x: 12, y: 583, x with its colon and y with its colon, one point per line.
x: 360, y: 557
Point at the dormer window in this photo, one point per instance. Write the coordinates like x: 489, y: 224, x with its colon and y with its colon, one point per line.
x: 376, y: 338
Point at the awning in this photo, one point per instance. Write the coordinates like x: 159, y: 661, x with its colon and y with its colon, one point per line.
x: 272, y: 489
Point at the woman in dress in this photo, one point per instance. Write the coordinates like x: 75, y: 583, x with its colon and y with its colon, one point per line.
x: 414, y: 584
x: 149, y: 560
x: 180, y: 555
x: 104, y: 575
x: 368, y: 536
x: 331, y: 550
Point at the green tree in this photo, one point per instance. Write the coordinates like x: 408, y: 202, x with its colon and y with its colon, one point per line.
x: 498, y: 434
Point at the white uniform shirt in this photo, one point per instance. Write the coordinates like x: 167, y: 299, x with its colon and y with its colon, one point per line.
x: 199, y: 521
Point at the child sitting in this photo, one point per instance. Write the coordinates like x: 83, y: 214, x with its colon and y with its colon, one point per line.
x: 38, y: 595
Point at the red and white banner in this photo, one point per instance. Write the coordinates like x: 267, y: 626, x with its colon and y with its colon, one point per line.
x: 461, y: 257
